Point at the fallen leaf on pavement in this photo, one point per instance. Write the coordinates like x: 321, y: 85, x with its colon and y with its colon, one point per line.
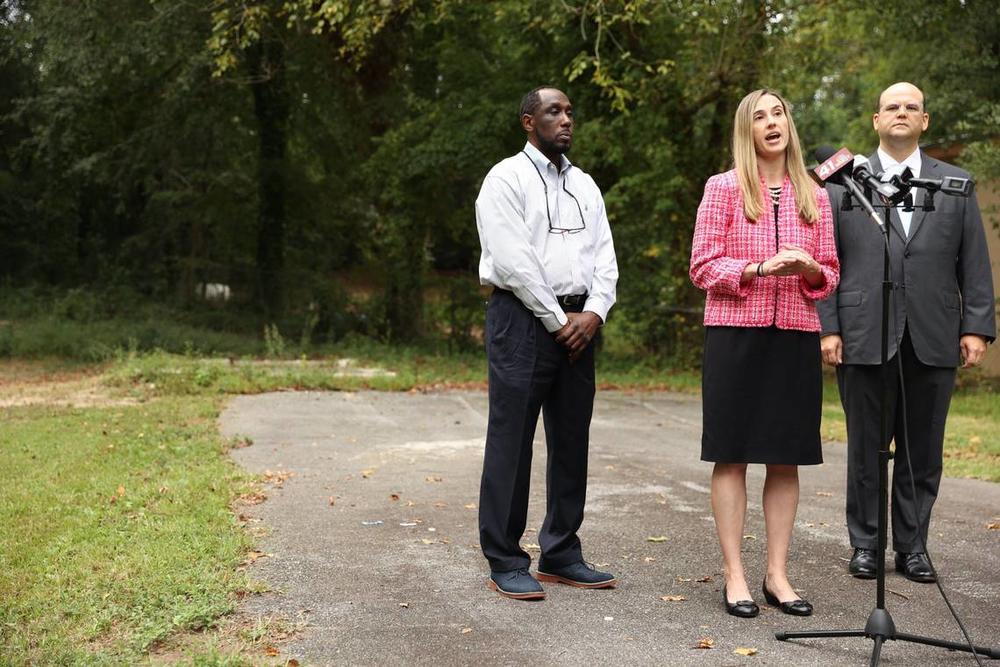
x: 995, y: 525
x: 704, y: 580
x: 333, y: 501
x: 367, y: 473
x: 657, y: 538
x: 822, y: 493
x: 433, y: 478
x: 394, y: 497
x: 404, y: 605
x: 744, y: 650
x: 470, y: 506
x: 649, y: 559
x: 749, y: 537
x: 673, y: 598
x: 426, y: 541
x: 466, y: 631
x: 683, y: 578
x: 705, y: 642
x: 270, y: 650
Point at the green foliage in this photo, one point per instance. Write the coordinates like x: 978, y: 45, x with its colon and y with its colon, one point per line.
x: 163, y: 146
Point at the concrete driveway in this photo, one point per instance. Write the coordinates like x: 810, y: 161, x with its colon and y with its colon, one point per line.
x: 373, y: 541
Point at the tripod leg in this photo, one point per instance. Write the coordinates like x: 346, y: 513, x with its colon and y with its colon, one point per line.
x: 785, y: 636
x: 954, y: 646
x: 877, y: 651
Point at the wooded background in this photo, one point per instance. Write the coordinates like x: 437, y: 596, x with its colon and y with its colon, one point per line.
x: 322, y: 158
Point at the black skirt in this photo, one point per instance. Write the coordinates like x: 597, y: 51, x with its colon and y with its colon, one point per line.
x: 762, y: 394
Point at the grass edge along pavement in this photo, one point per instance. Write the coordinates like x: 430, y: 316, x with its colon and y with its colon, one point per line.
x: 127, y: 545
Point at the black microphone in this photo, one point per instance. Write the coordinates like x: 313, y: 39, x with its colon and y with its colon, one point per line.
x: 950, y: 185
x: 862, y: 173
x: 838, y: 167
x: 834, y: 165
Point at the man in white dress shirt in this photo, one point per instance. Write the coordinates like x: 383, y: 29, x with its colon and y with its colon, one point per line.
x: 547, y: 251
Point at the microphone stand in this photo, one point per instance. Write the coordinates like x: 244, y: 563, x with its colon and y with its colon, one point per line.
x: 880, y: 627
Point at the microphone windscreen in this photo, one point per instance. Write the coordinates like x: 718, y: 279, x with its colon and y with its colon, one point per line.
x: 824, y: 153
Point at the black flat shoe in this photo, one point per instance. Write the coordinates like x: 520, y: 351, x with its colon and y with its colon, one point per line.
x: 794, y: 607
x: 741, y: 608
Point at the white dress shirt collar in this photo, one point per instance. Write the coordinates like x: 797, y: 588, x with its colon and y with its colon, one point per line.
x: 891, y: 167
x: 541, y: 162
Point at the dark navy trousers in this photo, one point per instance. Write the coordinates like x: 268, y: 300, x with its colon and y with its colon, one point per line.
x: 529, y: 372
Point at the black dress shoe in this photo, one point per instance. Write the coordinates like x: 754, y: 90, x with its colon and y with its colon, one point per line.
x: 517, y: 584
x: 579, y: 574
x: 915, y: 567
x: 862, y: 563
x: 796, y: 607
x: 741, y: 608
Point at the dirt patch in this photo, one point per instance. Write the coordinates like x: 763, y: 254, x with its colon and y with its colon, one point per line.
x: 28, y: 383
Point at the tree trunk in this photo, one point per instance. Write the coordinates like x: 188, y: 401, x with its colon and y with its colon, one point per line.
x: 267, y: 69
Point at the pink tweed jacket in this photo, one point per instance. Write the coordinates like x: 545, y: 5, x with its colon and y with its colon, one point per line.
x: 725, y: 242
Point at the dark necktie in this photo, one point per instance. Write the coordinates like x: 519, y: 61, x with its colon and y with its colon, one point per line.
x: 908, y: 203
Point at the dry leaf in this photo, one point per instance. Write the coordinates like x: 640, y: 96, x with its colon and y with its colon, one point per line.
x: 433, y: 478
x: 673, y: 598
x: 995, y: 525
x: 121, y: 490
x: 821, y: 493
x: 749, y: 537
x: 470, y: 506
x: 367, y: 473
x: 393, y: 497
x: 743, y: 650
x: 705, y: 642
x: 704, y: 580
x: 683, y: 578
x: 252, y: 556
x: 649, y: 559
x: 404, y: 605
x: 975, y: 440
x: 466, y: 631
x: 292, y: 662
x: 658, y: 538
x: 440, y: 505
x: 270, y: 650
x: 426, y: 541
x: 333, y: 501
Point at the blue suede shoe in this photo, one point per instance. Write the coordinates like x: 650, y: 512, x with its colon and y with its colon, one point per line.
x: 517, y: 584
x: 580, y: 574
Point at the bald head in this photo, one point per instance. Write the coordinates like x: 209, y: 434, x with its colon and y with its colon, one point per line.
x: 901, y: 88
x: 900, y: 119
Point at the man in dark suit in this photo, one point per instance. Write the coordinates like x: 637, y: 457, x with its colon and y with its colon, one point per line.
x: 941, y: 315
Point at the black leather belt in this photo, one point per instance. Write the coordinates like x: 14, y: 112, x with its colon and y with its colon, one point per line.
x: 571, y: 300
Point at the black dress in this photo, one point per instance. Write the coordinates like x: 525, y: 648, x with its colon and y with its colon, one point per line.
x: 762, y: 394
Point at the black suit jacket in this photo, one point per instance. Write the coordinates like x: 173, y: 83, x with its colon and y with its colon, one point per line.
x: 942, y: 270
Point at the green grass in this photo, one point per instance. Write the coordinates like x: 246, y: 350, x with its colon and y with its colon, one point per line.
x: 118, y: 529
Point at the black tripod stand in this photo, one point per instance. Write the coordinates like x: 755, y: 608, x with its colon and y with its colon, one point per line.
x: 880, y: 626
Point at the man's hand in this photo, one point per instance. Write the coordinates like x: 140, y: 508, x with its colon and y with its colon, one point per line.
x: 832, y: 347
x: 973, y: 348
x: 577, y: 333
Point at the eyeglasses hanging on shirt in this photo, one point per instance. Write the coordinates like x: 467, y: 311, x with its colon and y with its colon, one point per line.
x: 552, y: 228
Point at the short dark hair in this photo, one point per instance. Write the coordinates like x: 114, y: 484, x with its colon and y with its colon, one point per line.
x: 531, y: 101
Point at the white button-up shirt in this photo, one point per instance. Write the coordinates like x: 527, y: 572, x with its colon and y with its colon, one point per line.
x: 892, y: 168
x: 544, y: 232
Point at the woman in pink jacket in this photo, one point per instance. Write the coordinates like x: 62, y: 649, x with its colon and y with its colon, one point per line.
x: 763, y: 251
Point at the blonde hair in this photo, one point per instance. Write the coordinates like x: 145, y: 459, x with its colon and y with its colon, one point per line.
x: 745, y: 160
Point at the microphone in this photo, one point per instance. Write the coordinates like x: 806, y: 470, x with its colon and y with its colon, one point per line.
x: 862, y: 173
x: 950, y: 185
x: 833, y: 165
x: 838, y: 167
